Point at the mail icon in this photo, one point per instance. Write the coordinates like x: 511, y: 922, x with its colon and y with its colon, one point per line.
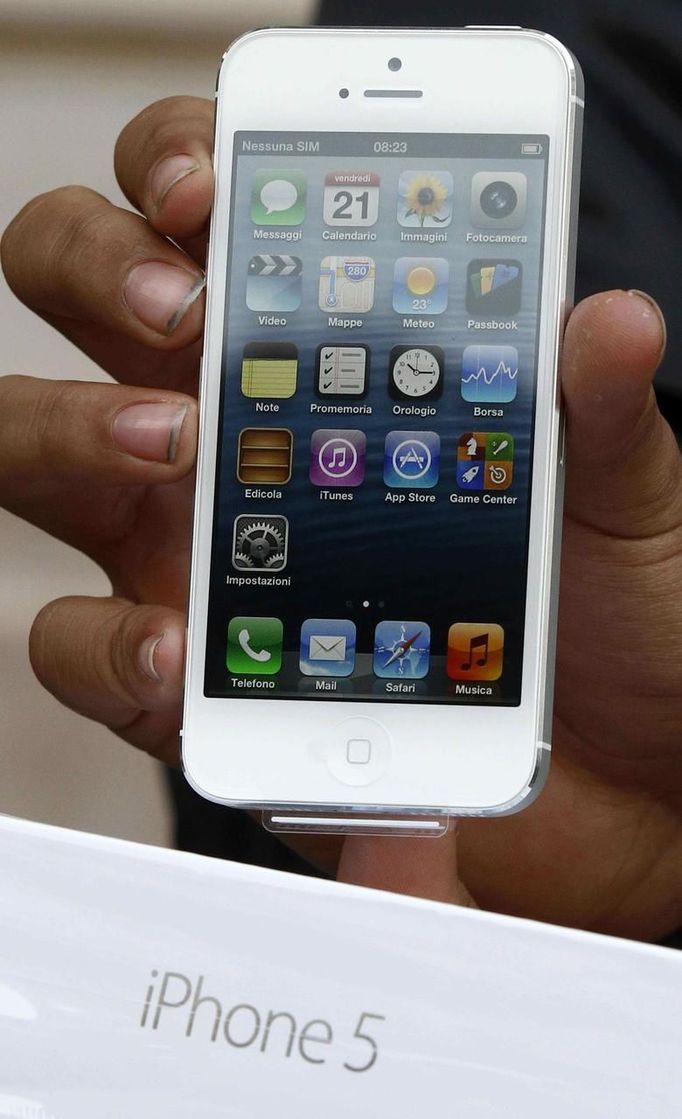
x: 327, y: 648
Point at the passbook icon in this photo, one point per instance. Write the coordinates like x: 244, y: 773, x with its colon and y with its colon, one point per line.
x: 327, y: 647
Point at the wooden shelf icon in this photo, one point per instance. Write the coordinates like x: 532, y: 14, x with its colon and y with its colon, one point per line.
x: 264, y: 455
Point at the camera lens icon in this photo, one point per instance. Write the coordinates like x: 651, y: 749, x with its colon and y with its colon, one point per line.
x: 498, y: 199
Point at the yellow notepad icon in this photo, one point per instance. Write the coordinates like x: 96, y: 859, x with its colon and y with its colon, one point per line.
x: 269, y: 369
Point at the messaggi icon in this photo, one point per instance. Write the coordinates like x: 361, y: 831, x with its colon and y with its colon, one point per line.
x: 327, y: 647
x: 278, y: 197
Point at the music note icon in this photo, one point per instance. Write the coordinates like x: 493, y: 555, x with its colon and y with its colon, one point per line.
x: 477, y: 643
x: 475, y: 651
x: 337, y: 457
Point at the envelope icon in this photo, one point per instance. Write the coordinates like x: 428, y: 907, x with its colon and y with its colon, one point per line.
x: 326, y: 647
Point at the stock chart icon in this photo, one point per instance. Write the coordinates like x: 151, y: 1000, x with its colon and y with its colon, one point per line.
x: 489, y: 374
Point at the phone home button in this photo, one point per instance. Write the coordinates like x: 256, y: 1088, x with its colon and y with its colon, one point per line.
x: 358, y: 751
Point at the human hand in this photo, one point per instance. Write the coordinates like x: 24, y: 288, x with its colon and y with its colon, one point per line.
x: 601, y: 847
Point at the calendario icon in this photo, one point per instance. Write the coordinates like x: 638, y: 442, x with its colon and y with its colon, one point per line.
x: 351, y: 198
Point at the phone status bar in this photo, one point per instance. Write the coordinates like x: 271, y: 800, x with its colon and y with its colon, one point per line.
x: 443, y: 145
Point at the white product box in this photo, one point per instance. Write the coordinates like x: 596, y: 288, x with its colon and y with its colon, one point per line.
x: 138, y: 983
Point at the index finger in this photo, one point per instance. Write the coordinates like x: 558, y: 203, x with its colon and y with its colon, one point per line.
x: 163, y: 165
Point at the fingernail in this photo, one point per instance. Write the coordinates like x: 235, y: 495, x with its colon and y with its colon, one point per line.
x: 659, y: 314
x: 169, y: 172
x: 149, y: 431
x: 160, y: 295
x: 146, y: 657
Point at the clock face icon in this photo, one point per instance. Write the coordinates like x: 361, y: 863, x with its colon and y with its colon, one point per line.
x: 416, y: 372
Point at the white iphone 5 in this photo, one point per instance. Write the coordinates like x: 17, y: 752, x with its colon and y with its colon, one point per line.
x: 375, y: 551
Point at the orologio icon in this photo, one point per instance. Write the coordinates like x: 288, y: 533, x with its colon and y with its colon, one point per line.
x: 416, y: 372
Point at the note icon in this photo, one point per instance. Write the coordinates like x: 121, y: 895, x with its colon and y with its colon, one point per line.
x: 475, y: 651
x: 269, y: 369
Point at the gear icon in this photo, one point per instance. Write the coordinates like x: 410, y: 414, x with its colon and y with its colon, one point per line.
x: 260, y: 543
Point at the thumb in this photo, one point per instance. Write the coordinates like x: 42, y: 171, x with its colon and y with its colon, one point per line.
x: 623, y: 462
x: 424, y: 868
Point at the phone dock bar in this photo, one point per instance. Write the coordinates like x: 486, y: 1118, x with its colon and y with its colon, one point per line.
x: 422, y: 824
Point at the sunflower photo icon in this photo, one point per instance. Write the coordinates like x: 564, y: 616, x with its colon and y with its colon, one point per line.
x: 425, y: 199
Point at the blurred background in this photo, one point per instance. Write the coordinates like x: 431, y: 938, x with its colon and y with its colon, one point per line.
x: 72, y: 73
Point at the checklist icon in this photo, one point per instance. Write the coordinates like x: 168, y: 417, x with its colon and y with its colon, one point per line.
x: 342, y: 370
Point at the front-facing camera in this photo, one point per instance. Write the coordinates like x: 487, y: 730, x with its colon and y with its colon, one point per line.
x: 394, y: 63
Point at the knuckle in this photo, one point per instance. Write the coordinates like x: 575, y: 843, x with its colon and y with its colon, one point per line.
x: 51, y: 228
x: 49, y: 428
x: 160, y: 127
x: 84, y: 221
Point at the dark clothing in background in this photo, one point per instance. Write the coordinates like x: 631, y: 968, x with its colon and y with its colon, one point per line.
x: 630, y: 232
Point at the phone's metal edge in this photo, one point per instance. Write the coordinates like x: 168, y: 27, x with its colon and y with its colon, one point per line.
x: 524, y: 797
x: 565, y: 293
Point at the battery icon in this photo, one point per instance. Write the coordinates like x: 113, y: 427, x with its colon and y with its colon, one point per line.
x: 531, y: 149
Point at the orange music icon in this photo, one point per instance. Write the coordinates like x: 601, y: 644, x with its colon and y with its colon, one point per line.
x: 475, y: 651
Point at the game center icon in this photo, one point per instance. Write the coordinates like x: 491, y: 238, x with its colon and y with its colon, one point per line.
x: 485, y: 460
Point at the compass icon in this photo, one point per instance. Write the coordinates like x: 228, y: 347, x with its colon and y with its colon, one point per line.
x: 401, y: 650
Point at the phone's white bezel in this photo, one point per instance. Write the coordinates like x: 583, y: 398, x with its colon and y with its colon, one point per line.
x: 457, y: 759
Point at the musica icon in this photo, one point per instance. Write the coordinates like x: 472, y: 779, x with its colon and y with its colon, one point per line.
x: 337, y: 457
x: 475, y: 651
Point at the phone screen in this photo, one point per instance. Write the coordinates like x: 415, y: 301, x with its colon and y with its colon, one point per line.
x: 370, y: 535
